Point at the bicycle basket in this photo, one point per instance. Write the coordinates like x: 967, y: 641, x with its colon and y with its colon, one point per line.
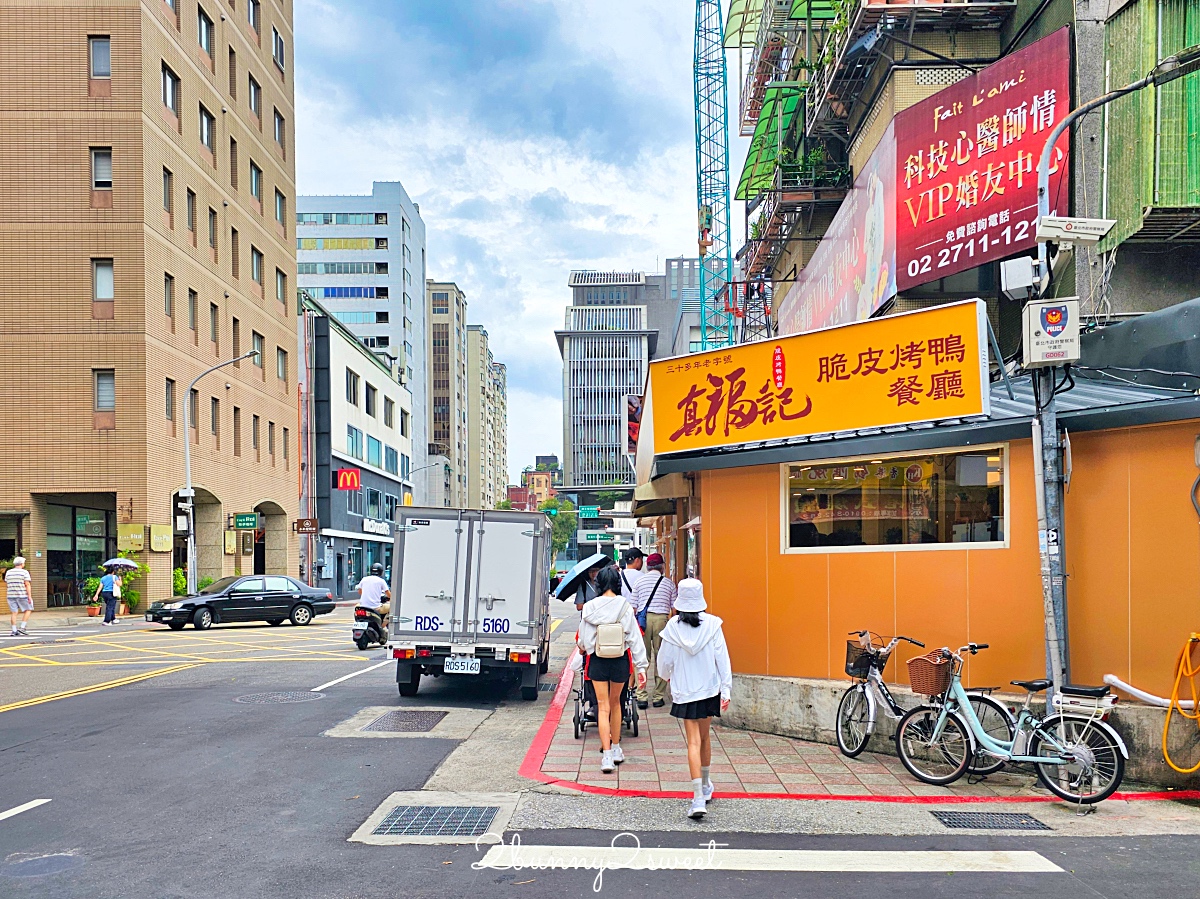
x: 859, y: 660
x: 930, y: 674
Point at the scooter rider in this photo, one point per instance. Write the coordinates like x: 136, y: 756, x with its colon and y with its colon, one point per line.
x: 373, y: 590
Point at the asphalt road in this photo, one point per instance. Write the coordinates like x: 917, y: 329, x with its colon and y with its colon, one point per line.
x: 168, y: 787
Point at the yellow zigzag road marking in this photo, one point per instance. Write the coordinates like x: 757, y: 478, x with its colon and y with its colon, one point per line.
x: 95, y: 688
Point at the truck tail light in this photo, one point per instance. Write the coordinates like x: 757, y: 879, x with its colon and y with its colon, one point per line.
x: 424, y: 653
x: 520, y: 657
x: 403, y: 653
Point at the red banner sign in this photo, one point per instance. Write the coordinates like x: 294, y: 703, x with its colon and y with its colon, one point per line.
x: 966, y: 163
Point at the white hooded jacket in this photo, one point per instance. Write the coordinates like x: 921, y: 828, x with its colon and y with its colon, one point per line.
x: 695, y: 659
x: 608, y: 610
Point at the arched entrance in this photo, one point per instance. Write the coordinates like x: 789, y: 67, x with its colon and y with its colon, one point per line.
x: 271, y: 540
x: 210, y: 535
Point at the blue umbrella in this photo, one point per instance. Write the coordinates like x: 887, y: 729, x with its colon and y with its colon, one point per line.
x: 572, y: 578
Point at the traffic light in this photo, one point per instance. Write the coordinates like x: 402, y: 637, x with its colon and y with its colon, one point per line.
x: 552, y: 512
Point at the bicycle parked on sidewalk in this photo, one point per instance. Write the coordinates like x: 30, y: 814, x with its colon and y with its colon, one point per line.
x: 866, y: 657
x: 1077, y: 754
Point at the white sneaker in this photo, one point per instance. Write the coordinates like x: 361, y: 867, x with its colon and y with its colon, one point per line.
x: 696, y: 812
x: 708, y: 793
x: 618, y: 754
x: 116, y: 621
x: 606, y: 762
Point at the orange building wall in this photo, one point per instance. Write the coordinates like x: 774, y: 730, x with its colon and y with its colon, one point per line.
x: 1132, y: 546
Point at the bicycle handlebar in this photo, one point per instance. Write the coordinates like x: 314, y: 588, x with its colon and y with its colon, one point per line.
x: 913, y: 642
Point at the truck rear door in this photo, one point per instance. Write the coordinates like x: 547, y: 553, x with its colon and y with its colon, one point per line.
x: 507, y: 547
x: 430, y: 574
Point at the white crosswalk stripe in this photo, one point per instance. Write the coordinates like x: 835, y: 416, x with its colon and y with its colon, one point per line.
x: 641, y: 858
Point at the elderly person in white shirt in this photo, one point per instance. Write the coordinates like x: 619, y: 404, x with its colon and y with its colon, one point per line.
x: 655, y: 595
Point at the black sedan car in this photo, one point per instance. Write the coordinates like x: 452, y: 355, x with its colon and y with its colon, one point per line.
x: 270, y: 598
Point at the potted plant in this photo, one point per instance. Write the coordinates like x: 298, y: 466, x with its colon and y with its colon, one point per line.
x: 90, y: 586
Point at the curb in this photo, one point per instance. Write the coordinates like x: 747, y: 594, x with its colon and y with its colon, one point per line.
x: 531, y: 769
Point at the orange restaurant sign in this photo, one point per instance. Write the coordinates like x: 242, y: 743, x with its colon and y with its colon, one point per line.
x: 901, y: 369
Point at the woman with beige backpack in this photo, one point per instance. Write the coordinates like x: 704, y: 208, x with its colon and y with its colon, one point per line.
x: 611, y: 642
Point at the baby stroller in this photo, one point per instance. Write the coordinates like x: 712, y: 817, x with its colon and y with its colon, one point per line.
x: 585, y: 708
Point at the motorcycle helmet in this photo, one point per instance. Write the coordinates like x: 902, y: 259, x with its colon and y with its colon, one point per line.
x: 377, y: 569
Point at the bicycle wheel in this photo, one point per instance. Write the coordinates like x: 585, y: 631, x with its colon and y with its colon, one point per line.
x: 853, y: 715
x: 937, y: 761
x: 1098, y: 764
x: 997, y: 722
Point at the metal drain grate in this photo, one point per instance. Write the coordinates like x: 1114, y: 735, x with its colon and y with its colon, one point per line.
x: 989, y: 821
x: 406, y: 722
x: 49, y: 642
x: 437, y: 821
x: 547, y: 688
x: 265, y: 698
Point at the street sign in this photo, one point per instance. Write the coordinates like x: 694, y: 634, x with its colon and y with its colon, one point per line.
x: 589, y: 511
x: 306, y: 525
x: 593, y: 536
x: 246, y: 521
x: 1064, y: 229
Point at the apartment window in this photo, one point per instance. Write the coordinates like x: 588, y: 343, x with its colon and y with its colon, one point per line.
x: 371, y: 395
x: 280, y: 286
x: 285, y: 444
x: 170, y: 89
x: 232, y: 73
x: 237, y: 431
x: 235, y: 327
x: 254, y: 14
x: 391, y: 460
x: 233, y: 163
x: 171, y: 4
x: 256, y: 265
x: 208, y: 129
x: 255, y: 96
x: 256, y: 181
x: 102, y: 178
x: 214, y: 322
x: 169, y: 295
x: 278, y: 51
x: 193, y: 298
x: 105, y: 389
x: 100, y: 56
x: 193, y: 411
x: 214, y: 416
x: 916, y: 501
x: 281, y: 364
x: 168, y: 190
x: 389, y: 413
x: 351, y: 388
x: 374, y: 503
x: 374, y: 452
x: 280, y: 208
x: 271, y: 438
x: 102, y: 281
x: 191, y: 212
x: 170, y: 400
x: 212, y: 228
x: 256, y: 344
x: 254, y: 432
x: 234, y: 253
x: 403, y: 423
x: 354, y: 442
x: 280, y: 129
x: 441, y: 303
x: 204, y: 31
x: 354, y: 502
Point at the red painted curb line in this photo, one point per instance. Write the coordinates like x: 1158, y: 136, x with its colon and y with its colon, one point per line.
x: 531, y: 769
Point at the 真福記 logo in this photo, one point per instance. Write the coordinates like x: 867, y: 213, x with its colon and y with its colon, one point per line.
x: 1054, y: 320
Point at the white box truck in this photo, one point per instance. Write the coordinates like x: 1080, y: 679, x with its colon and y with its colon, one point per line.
x: 470, y: 595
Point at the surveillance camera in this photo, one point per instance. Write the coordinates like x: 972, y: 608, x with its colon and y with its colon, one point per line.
x: 227, y: 294
x: 228, y: 386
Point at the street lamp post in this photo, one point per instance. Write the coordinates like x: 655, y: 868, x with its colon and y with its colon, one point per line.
x: 188, y: 494
x: 1045, y: 424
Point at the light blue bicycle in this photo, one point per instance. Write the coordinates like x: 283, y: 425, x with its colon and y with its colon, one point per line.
x: 1078, y: 756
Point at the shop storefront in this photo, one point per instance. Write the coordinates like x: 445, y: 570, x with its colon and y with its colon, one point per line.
x: 78, y: 539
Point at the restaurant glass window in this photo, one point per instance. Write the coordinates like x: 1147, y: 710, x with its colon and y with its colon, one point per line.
x: 938, y: 499
x: 77, y: 540
x: 354, y: 563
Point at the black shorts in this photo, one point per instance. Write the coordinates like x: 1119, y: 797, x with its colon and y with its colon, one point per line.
x: 700, y: 708
x: 613, y: 670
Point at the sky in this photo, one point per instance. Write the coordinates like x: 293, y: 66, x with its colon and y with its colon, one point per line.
x: 537, y: 136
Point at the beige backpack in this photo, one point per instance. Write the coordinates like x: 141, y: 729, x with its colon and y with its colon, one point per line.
x: 610, y: 640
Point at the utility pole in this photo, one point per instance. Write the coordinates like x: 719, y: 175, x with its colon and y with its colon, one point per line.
x: 1047, y: 444
x: 188, y: 494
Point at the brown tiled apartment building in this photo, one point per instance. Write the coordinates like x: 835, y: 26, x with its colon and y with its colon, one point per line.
x: 146, y: 209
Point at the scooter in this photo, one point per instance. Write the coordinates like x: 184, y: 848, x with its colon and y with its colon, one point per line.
x: 369, y: 627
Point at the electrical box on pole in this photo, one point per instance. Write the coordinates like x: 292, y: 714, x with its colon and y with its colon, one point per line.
x: 1050, y: 332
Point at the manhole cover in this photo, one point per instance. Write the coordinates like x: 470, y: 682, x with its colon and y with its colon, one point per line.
x: 989, y: 821
x: 406, y: 722
x: 49, y: 642
x: 437, y: 821
x: 265, y: 698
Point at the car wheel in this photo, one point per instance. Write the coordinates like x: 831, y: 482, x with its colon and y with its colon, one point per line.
x: 301, y: 615
x: 529, y: 694
x: 275, y: 622
x: 202, y: 619
x: 176, y: 625
x: 410, y: 688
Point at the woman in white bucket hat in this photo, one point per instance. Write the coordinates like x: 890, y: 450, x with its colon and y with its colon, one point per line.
x: 694, y: 658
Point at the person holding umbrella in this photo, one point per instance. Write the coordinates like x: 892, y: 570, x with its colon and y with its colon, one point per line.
x: 110, y: 589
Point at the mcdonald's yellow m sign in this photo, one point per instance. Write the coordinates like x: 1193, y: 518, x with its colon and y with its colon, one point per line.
x: 347, y: 479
